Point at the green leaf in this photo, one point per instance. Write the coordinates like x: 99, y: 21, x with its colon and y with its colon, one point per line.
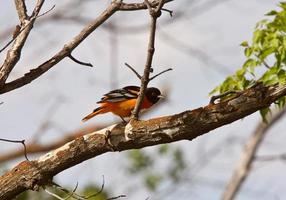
x: 244, y: 44
x: 152, y: 181
x: 264, y: 112
x: 248, y: 51
x: 271, y: 13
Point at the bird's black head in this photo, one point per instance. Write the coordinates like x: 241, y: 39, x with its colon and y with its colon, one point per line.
x: 153, y: 94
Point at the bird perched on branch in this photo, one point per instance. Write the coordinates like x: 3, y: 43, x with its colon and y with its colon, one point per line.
x: 121, y: 102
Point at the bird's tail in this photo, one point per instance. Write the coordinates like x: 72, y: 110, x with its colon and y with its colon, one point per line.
x: 94, y: 113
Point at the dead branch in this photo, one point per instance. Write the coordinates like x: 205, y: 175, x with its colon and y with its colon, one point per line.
x: 243, y: 167
x: 30, y: 175
x: 266, y: 158
x: 160, y: 73
x: 33, y: 147
x: 18, y: 141
x: 67, y: 49
x: 79, y: 62
x: 14, y: 53
x: 134, y: 71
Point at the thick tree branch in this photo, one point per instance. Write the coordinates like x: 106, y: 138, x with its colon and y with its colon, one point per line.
x: 184, y: 126
x: 21, y: 10
x: 248, y: 156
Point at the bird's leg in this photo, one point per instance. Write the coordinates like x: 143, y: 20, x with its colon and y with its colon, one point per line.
x: 124, y: 121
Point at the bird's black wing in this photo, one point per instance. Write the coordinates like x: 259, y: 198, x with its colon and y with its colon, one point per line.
x: 129, y: 92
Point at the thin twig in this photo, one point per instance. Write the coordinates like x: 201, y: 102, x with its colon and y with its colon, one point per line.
x: 215, y: 97
x: 169, y: 11
x: 73, y: 191
x: 266, y: 64
x: 17, y: 32
x: 271, y: 157
x: 79, y: 62
x: 100, y: 191
x: 113, y: 198
x: 70, y: 193
x: 53, y: 194
x: 18, y: 141
x: 47, y: 11
x: 15, y: 35
x: 133, y: 70
x: 154, y: 14
x: 166, y: 70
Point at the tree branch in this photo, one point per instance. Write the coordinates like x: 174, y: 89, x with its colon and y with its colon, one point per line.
x: 248, y: 156
x: 67, y: 48
x: 21, y: 10
x: 14, y: 53
x: 154, y: 13
x: 183, y: 126
x: 33, y: 147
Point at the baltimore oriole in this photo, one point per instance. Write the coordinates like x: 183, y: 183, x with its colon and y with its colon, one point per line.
x: 121, y: 102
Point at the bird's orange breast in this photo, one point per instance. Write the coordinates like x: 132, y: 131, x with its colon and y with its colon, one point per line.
x: 123, y: 108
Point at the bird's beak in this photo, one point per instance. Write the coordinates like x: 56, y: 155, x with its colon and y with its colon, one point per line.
x: 161, y: 96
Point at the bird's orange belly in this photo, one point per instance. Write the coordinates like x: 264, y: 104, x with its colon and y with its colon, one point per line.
x: 124, y: 108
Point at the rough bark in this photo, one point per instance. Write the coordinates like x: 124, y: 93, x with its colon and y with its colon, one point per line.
x: 30, y: 175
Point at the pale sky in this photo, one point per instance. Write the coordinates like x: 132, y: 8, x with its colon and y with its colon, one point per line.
x: 216, y: 32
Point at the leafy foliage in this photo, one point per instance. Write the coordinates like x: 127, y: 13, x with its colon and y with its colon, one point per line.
x: 265, y: 56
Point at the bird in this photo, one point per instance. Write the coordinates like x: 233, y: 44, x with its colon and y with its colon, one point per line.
x: 121, y: 102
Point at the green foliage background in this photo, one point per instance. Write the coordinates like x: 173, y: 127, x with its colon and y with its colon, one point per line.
x: 265, y: 57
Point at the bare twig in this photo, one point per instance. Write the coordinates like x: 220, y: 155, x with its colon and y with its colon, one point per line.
x: 69, y: 193
x: 73, y: 191
x: 219, y: 96
x: 80, y: 197
x: 100, y: 191
x: 53, y: 194
x: 14, y: 53
x: 263, y: 158
x: 169, y: 11
x: 154, y: 13
x: 33, y: 147
x: 16, y: 32
x: 162, y: 72
x: 133, y: 70
x: 19, y: 30
x: 266, y: 64
x: 18, y: 141
x: 79, y: 62
x: 244, y: 164
x: 46, y: 12
x: 120, y: 196
x: 67, y: 48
